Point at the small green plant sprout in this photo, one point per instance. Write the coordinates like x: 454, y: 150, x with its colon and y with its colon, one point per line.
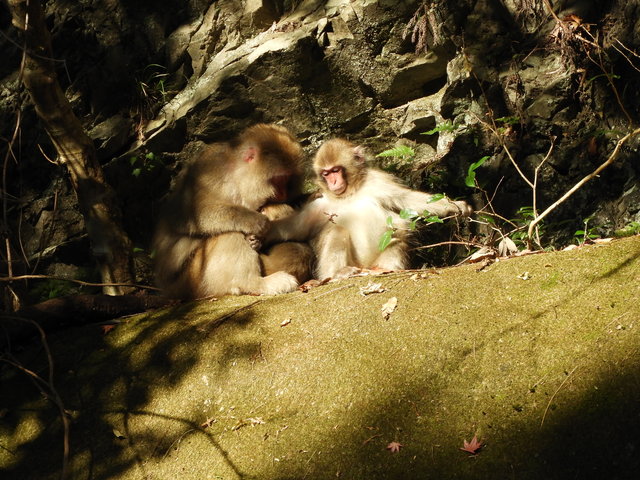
x: 153, y: 83
x: 414, y: 217
x: 628, y: 230
x: 51, y: 288
x: 506, y: 124
x: 470, y: 180
x: 608, y: 76
x: 524, y: 216
x: 447, y: 126
x: 508, y: 120
x: 145, y: 163
x: 587, y: 234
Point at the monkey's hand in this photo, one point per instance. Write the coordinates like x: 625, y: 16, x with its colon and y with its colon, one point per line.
x: 276, y: 211
x: 465, y: 209
x: 254, y: 223
x: 255, y: 242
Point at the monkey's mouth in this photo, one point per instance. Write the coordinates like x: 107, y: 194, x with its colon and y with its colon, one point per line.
x: 280, y: 184
x: 338, y: 189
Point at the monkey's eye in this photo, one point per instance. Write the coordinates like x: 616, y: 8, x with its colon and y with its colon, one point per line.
x: 332, y: 170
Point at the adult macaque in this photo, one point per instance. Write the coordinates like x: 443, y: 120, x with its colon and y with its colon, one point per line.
x: 346, y: 223
x: 211, y: 227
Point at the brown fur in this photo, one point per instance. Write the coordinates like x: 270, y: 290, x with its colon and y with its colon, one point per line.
x: 200, y: 242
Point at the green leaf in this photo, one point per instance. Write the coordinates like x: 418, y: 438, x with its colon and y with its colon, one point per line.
x: 436, y: 197
x: 401, y: 151
x: 136, y: 172
x: 390, y: 221
x: 509, y: 120
x: 443, y: 127
x: 433, y: 219
x: 526, y: 212
x: 614, y: 76
x: 412, y: 225
x: 385, y: 240
x: 407, y: 214
x: 470, y: 180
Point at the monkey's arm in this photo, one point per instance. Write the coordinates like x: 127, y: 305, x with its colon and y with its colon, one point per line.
x: 300, y: 226
x: 214, y: 219
x: 420, y: 201
x: 396, y: 197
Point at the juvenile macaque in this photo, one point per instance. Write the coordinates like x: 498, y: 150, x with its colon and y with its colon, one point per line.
x: 346, y: 223
x: 211, y: 228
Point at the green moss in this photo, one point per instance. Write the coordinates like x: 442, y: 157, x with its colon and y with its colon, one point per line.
x: 316, y: 385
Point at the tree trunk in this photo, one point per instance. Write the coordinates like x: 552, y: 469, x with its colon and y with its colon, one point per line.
x: 96, y: 199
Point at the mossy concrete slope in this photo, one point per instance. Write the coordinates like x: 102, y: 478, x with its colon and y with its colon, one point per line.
x: 538, y: 356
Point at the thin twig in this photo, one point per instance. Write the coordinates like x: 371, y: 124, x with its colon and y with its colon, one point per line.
x: 48, y: 388
x: 79, y: 282
x: 555, y: 393
x: 600, y: 64
x: 450, y: 242
x: 506, y: 150
x: 548, y: 5
x: 535, y: 187
x: 625, y: 56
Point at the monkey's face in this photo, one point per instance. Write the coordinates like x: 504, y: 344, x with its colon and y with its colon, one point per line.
x: 270, y: 176
x: 334, y: 179
x: 338, y: 166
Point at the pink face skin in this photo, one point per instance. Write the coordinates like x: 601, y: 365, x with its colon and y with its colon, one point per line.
x: 334, y: 177
x: 280, y: 183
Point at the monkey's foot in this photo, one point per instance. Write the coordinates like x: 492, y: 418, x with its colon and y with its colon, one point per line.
x: 346, y: 272
x: 279, y: 282
x: 254, y: 241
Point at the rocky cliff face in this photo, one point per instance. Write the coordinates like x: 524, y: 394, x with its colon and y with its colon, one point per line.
x: 547, y: 90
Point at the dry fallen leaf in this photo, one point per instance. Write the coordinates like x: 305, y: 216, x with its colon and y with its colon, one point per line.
x: 473, y: 446
x: 602, y: 240
x: 243, y: 422
x: 285, y: 322
x: 507, y: 247
x: 394, y: 447
x: 371, y: 288
x: 417, y: 276
x: 389, y: 307
x: 308, y: 285
x: 210, y: 421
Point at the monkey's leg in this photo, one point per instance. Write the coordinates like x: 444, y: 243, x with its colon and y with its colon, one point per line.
x: 291, y: 257
x: 233, y: 267
x: 333, y: 251
x: 394, y: 257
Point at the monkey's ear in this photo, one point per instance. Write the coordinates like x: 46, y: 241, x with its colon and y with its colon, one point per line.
x: 359, y: 155
x: 250, y: 154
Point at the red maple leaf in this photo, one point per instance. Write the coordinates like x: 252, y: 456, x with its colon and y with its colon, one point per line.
x: 107, y: 328
x: 473, y: 446
x: 394, y: 447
